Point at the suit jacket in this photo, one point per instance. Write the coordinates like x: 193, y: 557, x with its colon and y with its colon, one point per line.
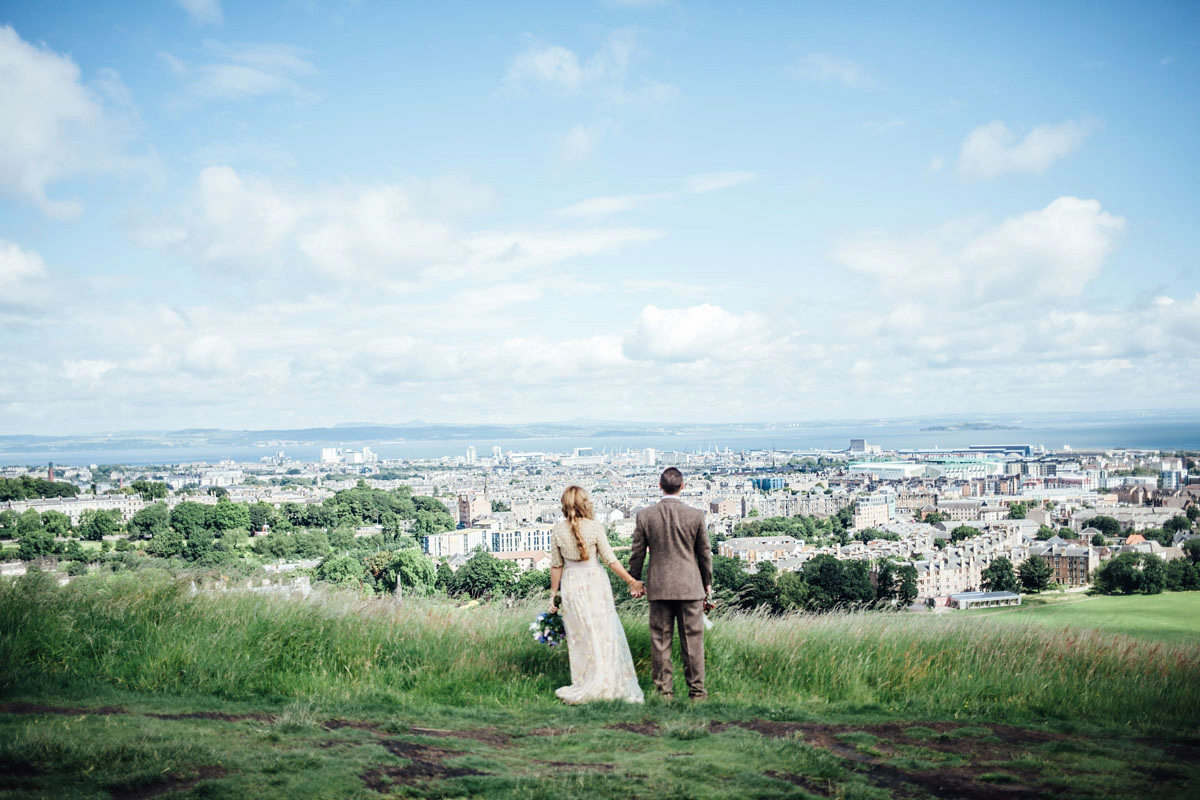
x: 681, y: 561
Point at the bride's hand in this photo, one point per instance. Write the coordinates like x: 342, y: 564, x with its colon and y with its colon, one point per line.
x: 637, y: 588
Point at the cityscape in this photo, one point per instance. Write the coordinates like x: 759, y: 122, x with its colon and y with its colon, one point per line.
x: 317, y: 315
x: 1015, y: 502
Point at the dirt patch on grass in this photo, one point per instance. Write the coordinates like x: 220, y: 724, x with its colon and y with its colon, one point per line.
x: 646, y: 727
x: 70, y: 711
x: 425, y: 764
x: 219, y: 716
x: 976, y: 747
x: 357, y: 724
x: 169, y: 784
x: 485, y: 735
x: 549, y: 732
x: 574, y: 765
x: 810, y: 785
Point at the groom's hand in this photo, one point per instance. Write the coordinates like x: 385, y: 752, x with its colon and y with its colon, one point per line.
x: 637, y: 589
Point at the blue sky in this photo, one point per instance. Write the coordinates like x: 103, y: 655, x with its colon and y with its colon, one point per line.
x: 299, y: 213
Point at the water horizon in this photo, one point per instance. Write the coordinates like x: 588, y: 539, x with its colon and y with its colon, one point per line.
x: 1161, y: 432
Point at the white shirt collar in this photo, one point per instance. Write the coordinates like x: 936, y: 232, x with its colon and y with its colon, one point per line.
x: 670, y: 497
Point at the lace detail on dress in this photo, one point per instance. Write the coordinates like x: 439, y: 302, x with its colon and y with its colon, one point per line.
x: 601, y: 665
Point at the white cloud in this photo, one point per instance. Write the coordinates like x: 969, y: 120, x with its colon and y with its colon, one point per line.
x: 596, y: 207
x: 18, y: 266
x: 824, y: 68
x: 210, y: 354
x: 713, y: 181
x: 993, y: 149
x: 245, y: 71
x: 581, y: 141
x: 604, y: 75
x: 202, y: 12
x: 86, y: 369
x: 559, y: 69
x: 395, y: 233
x: 936, y: 163
x: 52, y: 126
x: 691, y: 334
x: 1054, y: 252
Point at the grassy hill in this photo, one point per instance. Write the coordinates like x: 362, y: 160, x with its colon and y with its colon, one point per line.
x: 134, y: 687
x: 1166, y: 617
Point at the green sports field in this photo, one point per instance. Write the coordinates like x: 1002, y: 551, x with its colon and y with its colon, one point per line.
x: 1166, y: 617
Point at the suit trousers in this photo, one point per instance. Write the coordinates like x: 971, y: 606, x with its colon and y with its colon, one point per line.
x: 690, y: 615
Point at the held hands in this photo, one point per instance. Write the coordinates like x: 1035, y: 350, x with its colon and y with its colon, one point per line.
x: 636, y: 588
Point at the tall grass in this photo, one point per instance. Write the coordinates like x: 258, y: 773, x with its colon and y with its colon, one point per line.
x: 155, y: 636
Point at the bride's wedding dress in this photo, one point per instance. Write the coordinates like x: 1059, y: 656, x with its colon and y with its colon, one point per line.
x: 601, y: 666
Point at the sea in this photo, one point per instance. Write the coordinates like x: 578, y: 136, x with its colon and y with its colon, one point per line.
x: 1153, y: 432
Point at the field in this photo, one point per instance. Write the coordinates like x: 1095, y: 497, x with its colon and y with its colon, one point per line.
x: 133, y: 687
x: 1167, y: 617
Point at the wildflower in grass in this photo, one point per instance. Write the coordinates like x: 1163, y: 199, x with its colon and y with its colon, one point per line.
x: 548, y: 629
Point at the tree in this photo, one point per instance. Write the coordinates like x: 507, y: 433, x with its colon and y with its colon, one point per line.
x: 760, y: 590
x: 484, y: 575
x: 1182, y: 575
x: 35, y: 544
x: 826, y: 581
x: 262, y: 516
x: 227, y: 516
x: 1018, y: 510
x: 964, y: 532
x: 56, y: 523
x: 1045, y: 532
x: 8, y: 524
x: 444, y: 577
x: 189, y: 518
x: 1154, y: 574
x: 30, y: 522
x: 1098, y: 540
x: 149, y: 521
x: 934, y: 517
x: 1035, y: 573
x: 857, y: 590
x: 532, y: 581
x: 999, y: 577
x: 167, y: 543
x: 95, y: 525
x: 1106, y: 525
x: 1177, y: 523
x: 149, y: 490
x: 1191, y: 549
x: 408, y: 569
x: 1193, y: 512
x: 431, y: 522
x: 1129, y: 573
x: 343, y: 570
x: 500, y: 505
x: 885, y: 584
x: 728, y: 573
x: 906, y: 587
x: 791, y: 591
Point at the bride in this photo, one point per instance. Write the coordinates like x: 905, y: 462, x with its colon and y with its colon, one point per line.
x: 601, y: 667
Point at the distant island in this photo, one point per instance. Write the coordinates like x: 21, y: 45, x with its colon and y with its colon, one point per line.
x: 974, y: 426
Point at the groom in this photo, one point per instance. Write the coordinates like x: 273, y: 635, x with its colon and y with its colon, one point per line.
x: 678, y: 583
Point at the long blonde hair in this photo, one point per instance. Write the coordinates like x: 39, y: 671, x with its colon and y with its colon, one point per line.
x: 576, y: 505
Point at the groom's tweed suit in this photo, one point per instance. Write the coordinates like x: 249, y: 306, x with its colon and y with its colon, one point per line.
x: 680, y: 569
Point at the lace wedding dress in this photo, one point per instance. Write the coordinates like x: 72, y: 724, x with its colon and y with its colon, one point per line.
x: 601, y: 666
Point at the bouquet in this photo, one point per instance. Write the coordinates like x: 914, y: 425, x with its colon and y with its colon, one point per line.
x: 548, y: 629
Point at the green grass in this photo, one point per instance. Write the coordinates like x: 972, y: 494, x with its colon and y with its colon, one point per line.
x: 456, y: 702
x: 1168, y: 617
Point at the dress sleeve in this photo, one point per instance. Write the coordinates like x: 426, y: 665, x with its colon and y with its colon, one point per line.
x: 607, y: 556
x: 556, y: 556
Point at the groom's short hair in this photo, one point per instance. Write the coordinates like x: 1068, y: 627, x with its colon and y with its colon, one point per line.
x: 671, y: 480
